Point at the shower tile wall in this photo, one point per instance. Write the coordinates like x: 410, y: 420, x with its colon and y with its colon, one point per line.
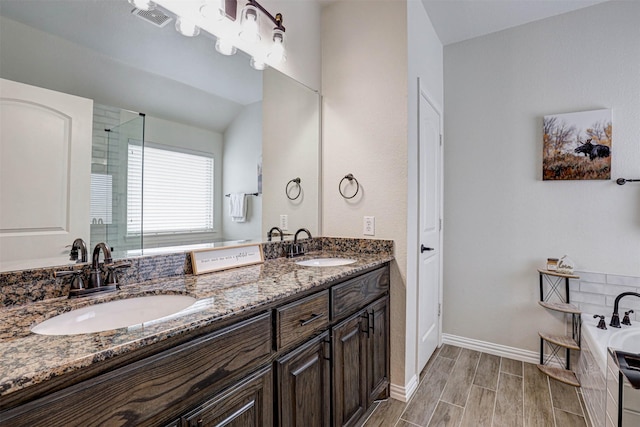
x: 595, y: 293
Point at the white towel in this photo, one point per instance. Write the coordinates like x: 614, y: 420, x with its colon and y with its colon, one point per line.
x: 238, y: 207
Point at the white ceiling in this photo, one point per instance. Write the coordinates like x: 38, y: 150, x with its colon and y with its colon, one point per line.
x: 458, y: 20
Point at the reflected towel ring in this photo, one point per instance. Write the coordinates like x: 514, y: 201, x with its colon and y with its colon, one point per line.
x: 286, y: 190
x: 351, y: 178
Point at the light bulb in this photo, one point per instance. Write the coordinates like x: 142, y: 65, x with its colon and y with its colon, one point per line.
x: 212, y: 10
x: 277, y: 52
x: 143, y: 4
x: 186, y: 27
x: 225, y: 47
x: 257, y: 63
x: 250, y: 29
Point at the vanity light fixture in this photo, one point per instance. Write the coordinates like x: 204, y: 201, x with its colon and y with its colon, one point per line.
x: 186, y: 27
x: 145, y: 5
x: 249, y: 24
x: 218, y: 17
x: 277, y: 53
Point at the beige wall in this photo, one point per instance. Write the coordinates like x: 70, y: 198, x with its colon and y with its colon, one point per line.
x: 364, y: 87
x: 501, y: 220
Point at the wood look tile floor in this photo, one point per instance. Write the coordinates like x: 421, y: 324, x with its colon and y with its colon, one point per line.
x: 466, y: 388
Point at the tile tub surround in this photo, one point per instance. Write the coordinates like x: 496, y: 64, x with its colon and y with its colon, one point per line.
x: 596, y: 292
x: 591, y: 368
x: 27, y: 358
x: 20, y: 287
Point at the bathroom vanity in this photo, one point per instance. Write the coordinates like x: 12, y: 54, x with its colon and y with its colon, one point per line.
x: 283, y: 345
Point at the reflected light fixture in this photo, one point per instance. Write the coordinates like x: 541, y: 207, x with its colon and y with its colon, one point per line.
x: 257, y: 63
x: 145, y: 5
x: 213, y: 10
x: 186, y: 27
x: 225, y: 47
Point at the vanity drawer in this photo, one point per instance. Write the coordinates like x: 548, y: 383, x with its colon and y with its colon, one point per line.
x: 300, y: 319
x: 353, y: 294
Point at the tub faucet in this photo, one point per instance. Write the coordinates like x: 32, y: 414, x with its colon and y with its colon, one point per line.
x: 95, y: 276
x: 615, y: 318
x: 270, y: 233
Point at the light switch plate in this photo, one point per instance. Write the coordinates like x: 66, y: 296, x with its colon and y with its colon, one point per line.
x: 369, y: 226
x: 284, y: 222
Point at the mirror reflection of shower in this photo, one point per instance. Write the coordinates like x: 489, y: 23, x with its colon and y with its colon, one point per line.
x: 113, y: 173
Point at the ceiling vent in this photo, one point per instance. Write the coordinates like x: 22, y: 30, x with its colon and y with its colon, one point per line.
x: 154, y: 17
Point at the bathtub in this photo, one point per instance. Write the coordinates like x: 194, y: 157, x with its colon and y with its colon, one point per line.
x: 598, y: 373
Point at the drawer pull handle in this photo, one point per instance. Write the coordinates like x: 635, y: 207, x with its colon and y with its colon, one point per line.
x: 313, y: 318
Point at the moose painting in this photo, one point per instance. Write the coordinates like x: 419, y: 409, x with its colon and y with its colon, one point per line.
x: 577, y: 146
x: 593, y: 150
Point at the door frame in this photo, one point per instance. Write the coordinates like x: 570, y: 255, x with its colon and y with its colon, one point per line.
x: 423, y: 92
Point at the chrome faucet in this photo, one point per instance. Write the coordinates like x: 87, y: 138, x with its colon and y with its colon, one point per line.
x: 270, y: 233
x: 95, y: 276
x: 78, y: 244
x: 297, y: 249
x: 615, y: 318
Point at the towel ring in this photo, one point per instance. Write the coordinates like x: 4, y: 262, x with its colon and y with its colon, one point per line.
x: 351, y: 178
x: 286, y: 190
x: 622, y: 181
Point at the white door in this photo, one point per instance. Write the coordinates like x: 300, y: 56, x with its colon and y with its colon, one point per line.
x: 429, y: 263
x: 45, y: 167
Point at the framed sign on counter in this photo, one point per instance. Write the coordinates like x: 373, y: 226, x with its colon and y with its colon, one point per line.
x: 216, y: 259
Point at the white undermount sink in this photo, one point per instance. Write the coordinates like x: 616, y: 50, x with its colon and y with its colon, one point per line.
x: 626, y: 340
x: 326, y: 262
x: 113, y: 315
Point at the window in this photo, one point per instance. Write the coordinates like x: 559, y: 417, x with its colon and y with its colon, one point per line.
x: 177, y: 189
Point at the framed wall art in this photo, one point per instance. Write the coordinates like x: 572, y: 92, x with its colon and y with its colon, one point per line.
x: 577, y: 146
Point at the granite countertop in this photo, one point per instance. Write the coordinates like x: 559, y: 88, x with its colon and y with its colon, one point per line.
x: 27, y: 358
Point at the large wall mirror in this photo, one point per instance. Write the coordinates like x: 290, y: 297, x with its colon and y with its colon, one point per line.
x: 223, y: 127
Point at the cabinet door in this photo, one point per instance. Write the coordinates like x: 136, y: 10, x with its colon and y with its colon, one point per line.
x: 246, y: 404
x: 349, y: 356
x: 378, y: 350
x: 304, y: 385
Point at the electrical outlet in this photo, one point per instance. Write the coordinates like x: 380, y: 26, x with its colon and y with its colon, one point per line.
x: 369, y: 226
x: 284, y: 222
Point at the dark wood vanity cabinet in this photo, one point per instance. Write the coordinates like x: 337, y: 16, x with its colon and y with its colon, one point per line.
x: 348, y: 364
x: 317, y: 360
x: 360, y: 355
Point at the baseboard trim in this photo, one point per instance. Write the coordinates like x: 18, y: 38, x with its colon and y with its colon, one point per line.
x: 404, y: 393
x: 492, y: 348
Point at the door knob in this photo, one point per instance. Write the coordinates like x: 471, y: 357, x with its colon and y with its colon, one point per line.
x: 424, y: 248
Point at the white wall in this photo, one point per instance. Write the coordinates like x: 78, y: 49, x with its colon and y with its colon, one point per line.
x: 425, y: 63
x: 501, y: 220
x: 242, y: 153
x: 364, y: 87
